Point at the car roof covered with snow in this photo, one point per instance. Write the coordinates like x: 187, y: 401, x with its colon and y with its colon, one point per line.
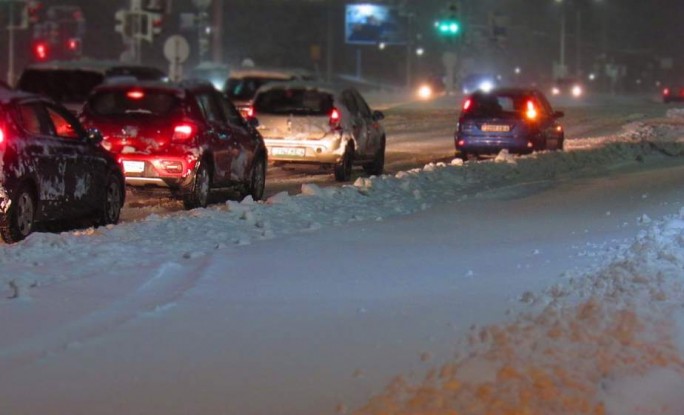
x: 275, y: 73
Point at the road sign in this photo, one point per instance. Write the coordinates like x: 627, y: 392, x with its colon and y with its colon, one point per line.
x: 176, y: 49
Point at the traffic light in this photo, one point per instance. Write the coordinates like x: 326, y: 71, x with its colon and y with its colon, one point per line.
x: 448, y: 27
x: 34, y: 10
x: 122, y: 24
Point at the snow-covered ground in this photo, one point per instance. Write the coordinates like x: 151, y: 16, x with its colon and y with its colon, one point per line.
x: 546, y: 284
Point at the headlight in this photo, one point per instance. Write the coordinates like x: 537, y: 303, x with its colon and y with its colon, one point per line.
x: 577, y: 91
x: 425, y: 92
x: 486, y: 86
x: 555, y: 90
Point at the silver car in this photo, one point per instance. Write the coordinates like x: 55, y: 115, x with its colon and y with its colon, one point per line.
x: 311, y: 123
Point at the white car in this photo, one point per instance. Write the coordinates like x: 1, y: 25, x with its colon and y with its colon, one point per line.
x: 311, y: 123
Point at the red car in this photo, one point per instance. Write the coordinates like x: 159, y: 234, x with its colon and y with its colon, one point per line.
x: 186, y: 138
x: 51, y: 169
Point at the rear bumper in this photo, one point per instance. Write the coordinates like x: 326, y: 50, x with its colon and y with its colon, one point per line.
x: 324, y: 151
x: 164, y: 171
x: 493, y: 144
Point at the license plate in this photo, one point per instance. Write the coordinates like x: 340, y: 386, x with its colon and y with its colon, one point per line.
x: 495, y: 128
x: 134, y: 166
x: 288, y: 151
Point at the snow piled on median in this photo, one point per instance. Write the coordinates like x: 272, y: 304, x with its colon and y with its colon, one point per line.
x: 125, y: 249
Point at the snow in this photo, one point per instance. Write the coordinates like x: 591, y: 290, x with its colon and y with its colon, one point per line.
x: 476, y: 287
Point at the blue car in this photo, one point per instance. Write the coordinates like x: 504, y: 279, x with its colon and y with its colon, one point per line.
x: 518, y: 120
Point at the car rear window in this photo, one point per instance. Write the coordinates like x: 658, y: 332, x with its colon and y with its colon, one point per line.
x: 245, y: 88
x: 294, y: 101
x: 497, y: 105
x: 133, y: 102
x: 61, y: 85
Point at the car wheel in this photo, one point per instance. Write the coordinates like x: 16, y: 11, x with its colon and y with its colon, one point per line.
x: 377, y: 166
x: 257, y: 182
x: 113, y: 201
x: 199, y: 196
x: 343, y: 169
x: 20, y: 218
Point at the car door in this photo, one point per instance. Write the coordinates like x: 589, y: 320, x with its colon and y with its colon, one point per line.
x: 549, y: 127
x: 356, y: 122
x: 81, y: 170
x: 220, y: 137
x: 373, y: 130
x: 245, y: 142
x: 39, y: 157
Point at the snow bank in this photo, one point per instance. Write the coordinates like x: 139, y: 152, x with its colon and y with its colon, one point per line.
x: 47, y: 258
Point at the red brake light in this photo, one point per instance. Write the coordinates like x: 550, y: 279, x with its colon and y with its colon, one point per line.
x: 250, y: 112
x: 531, y: 112
x: 135, y: 94
x: 335, y: 118
x: 2, y: 135
x: 467, y: 104
x: 666, y: 91
x: 40, y: 51
x: 183, y: 132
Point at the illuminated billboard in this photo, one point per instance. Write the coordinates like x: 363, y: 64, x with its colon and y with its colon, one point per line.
x: 372, y: 24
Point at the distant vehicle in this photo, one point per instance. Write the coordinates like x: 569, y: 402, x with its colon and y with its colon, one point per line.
x: 186, y: 139
x: 70, y: 82
x: 211, y: 72
x: 52, y: 168
x: 242, y: 84
x: 673, y: 94
x: 518, y: 120
x: 567, y: 87
x: 478, y: 82
x: 432, y: 87
x: 311, y: 123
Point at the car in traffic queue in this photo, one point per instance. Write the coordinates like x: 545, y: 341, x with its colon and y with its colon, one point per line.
x: 243, y: 84
x: 674, y: 93
x: 70, y: 82
x: 567, y: 87
x: 185, y: 139
x: 312, y: 123
x: 53, y: 170
x: 518, y: 120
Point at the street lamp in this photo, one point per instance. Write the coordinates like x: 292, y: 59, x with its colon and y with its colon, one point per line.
x: 578, y: 37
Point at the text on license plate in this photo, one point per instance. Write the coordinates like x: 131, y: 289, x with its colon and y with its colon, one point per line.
x: 134, y: 166
x: 495, y: 128
x: 288, y: 151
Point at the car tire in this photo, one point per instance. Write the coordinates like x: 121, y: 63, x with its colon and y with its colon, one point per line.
x: 19, y: 221
x: 113, y: 201
x: 257, y: 180
x: 199, y: 195
x: 377, y: 166
x: 343, y: 169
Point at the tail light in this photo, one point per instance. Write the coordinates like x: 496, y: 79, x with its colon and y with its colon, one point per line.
x: 666, y: 91
x: 250, y: 112
x: 467, y: 104
x: 335, y: 119
x: 184, y: 132
x: 531, y: 111
x: 2, y: 135
x: 135, y: 94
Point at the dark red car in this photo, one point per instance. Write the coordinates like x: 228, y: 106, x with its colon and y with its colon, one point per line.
x: 52, y: 169
x: 185, y: 138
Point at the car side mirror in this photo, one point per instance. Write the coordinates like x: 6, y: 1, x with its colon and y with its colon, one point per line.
x: 378, y: 116
x: 94, y: 136
x: 558, y: 114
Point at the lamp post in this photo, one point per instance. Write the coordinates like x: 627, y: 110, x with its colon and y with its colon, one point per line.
x: 578, y: 38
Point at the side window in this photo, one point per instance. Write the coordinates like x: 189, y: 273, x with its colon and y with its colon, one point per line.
x: 31, y: 120
x: 230, y: 112
x: 210, y: 108
x: 64, y: 126
x: 363, y: 106
x: 349, y: 102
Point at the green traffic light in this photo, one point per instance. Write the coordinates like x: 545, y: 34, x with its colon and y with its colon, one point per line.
x: 447, y: 27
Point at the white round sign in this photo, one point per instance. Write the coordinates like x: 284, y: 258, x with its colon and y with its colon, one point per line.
x: 176, y: 49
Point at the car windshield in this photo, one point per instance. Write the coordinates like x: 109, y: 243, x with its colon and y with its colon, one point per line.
x: 246, y: 88
x: 133, y: 102
x: 61, y: 85
x: 497, y: 105
x: 294, y: 101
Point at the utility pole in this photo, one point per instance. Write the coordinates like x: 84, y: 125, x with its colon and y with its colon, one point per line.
x: 12, y: 27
